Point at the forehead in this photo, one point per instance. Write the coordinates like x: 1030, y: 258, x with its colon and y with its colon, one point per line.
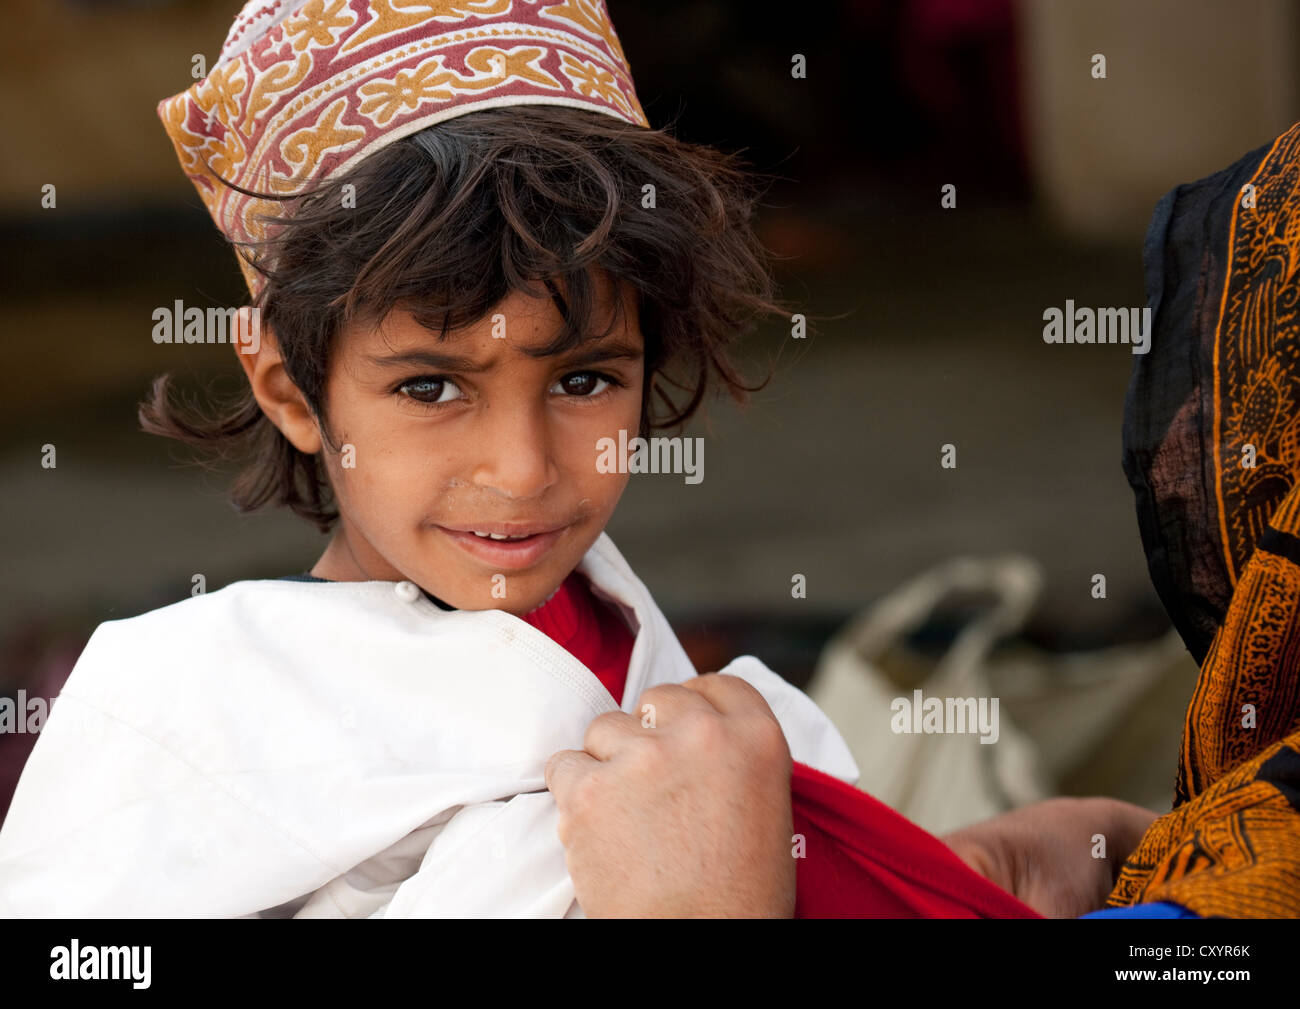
x: 525, y: 322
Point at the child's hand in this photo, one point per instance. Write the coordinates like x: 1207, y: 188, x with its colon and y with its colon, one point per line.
x: 688, y: 818
x: 1044, y: 853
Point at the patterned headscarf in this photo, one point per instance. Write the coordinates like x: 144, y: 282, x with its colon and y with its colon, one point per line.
x: 1212, y: 449
x: 305, y: 89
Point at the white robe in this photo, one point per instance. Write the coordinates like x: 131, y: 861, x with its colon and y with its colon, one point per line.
x: 332, y: 749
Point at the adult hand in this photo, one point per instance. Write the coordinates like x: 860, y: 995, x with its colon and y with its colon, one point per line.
x: 1045, y: 853
x: 682, y: 812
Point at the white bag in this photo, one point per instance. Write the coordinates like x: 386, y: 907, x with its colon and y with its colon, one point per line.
x: 1053, y: 715
x: 947, y: 779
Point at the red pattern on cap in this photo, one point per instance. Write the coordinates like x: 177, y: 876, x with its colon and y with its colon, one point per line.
x: 305, y: 89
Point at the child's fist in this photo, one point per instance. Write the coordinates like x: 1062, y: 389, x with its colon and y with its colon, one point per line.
x: 682, y: 809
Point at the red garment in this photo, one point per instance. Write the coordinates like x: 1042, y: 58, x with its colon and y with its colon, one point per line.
x: 589, y: 630
x: 866, y: 861
x: 861, y: 859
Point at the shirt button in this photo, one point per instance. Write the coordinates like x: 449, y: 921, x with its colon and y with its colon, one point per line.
x: 407, y: 592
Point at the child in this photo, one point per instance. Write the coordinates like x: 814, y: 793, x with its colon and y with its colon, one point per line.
x: 484, y: 264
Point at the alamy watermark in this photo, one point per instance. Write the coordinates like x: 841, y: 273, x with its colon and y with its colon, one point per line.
x: 945, y: 715
x: 651, y: 455
x: 179, y: 324
x: 75, y: 962
x: 1102, y: 325
x: 24, y: 714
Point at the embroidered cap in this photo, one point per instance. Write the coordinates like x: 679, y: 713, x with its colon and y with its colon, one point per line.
x: 305, y: 89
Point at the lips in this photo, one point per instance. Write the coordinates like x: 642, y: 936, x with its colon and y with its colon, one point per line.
x: 525, y: 547
x: 513, y: 530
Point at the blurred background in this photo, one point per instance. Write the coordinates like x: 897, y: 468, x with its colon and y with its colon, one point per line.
x: 928, y: 331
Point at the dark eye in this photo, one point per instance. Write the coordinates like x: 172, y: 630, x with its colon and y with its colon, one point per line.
x: 429, y: 390
x: 582, y: 383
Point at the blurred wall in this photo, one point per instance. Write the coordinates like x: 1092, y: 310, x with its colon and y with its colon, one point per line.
x: 1191, y: 86
x: 82, y: 81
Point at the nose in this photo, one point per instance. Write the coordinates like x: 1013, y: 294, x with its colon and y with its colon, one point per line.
x: 513, y: 451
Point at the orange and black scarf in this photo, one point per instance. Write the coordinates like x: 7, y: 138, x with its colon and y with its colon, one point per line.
x: 1212, y: 450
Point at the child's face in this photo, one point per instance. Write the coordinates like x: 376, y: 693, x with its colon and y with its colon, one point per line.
x: 495, y: 442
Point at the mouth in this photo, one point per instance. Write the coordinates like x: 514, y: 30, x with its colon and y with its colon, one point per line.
x: 511, y: 546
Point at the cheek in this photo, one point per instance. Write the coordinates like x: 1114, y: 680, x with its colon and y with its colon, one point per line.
x: 393, y: 466
x: 611, y: 489
x: 601, y: 490
x: 625, y: 413
x: 360, y: 462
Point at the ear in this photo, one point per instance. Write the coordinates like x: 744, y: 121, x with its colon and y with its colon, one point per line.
x: 282, y: 401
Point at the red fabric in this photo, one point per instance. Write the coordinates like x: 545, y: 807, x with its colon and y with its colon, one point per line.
x: 860, y: 859
x: 589, y: 630
x: 863, y: 860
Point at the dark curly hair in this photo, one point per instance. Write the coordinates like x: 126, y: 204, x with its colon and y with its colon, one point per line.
x: 452, y: 219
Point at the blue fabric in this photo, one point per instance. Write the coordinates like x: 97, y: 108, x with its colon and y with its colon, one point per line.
x: 1161, y: 910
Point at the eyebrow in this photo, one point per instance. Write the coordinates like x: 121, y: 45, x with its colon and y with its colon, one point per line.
x: 612, y: 350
